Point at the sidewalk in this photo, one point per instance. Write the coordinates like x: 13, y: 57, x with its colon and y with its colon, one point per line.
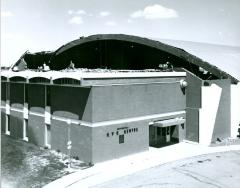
x: 109, y: 170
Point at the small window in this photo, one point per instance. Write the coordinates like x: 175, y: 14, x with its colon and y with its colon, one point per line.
x: 117, y: 133
x: 112, y: 133
x: 125, y: 132
x: 136, y: 129
x: 121, y: 139
x: 107, y: 134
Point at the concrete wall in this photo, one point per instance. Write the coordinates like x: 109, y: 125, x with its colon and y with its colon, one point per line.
x: 3, y: 93
x: 16, y: 124
x: 125, y: 101
x: 105, y: 147
x: 17, y: 95
x: 36, y: 98
x: 71, y: 102
x: 3, y: 120
x: 222, y: 128
x: 80, y: 136
x: 193, y: 104
x: 211, y: 96
x: 235, y: 110
x: 36, y: 129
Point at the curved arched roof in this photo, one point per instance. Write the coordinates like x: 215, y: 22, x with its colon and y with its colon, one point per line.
x: 178, y: 52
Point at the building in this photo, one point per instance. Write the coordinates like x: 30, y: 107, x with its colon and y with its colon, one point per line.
x: 107, y: 96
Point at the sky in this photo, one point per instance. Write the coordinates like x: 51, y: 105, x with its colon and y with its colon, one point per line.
x: 42, y: 25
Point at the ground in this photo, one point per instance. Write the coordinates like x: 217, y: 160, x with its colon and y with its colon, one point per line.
x: 26, y: 165
x: 221, y: 170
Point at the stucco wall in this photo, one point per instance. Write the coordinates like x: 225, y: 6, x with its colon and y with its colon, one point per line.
x: 124, y: 101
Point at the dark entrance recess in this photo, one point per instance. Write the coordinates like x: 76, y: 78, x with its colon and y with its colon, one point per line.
x: 163, y: 136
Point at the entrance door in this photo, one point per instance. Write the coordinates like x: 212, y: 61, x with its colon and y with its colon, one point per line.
x: 162, y: 136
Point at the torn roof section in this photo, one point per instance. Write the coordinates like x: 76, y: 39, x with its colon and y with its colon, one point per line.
x: 118, y: 51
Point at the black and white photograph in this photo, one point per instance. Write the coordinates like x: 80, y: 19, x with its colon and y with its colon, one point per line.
x: 120, y: 93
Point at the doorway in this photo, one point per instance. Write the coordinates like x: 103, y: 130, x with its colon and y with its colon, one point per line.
x: 163, y: 136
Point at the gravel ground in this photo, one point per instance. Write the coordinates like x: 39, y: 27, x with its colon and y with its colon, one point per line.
x: 221, y: 170
x: 25, y: 165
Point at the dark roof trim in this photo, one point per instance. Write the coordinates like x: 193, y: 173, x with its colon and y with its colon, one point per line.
x: 151, y: 43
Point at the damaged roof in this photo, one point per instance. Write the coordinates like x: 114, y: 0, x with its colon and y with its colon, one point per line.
x: 221, y: 61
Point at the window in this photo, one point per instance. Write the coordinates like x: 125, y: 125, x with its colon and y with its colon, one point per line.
x: 117, y: 133
x: 112, y: 133
x: 121, y: 139
x: 107, y: 134
x: 125, y: 132
x: 25, y: 129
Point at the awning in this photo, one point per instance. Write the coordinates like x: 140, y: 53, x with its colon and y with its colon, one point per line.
x: 169, y: 122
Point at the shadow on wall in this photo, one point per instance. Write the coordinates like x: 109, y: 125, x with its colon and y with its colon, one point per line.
x: 69, y: 102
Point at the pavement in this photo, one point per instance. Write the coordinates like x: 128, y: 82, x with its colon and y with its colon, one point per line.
x: 110, y: 170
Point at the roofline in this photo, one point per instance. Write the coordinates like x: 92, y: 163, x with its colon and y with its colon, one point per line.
x: 181, y: 53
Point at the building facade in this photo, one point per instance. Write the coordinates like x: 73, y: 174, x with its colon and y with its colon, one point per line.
x: 126, y: 107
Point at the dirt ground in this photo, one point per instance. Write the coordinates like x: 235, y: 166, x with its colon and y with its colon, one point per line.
x: 221, y: 170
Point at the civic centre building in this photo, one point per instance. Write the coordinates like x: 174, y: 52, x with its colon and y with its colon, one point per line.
x: 107, y: 96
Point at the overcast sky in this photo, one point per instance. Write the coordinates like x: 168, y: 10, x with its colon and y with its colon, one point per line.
x: 38, y: 25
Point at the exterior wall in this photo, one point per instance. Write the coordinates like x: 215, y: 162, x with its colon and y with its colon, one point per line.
x: 211, y: 96
x: 16, y: 124
x: 36, y: 129
x: 59, y: 135
x: 80, y: 136
x: 193, y: 104
x: 71, y: 102
x: 235, y: 110
x: 3, y: 120
x: 36, y: 98
x: 105, y: 148
x: 125, y: 101
x: 3, y: 93
x: 17, y: 95
x: 222, y: 127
